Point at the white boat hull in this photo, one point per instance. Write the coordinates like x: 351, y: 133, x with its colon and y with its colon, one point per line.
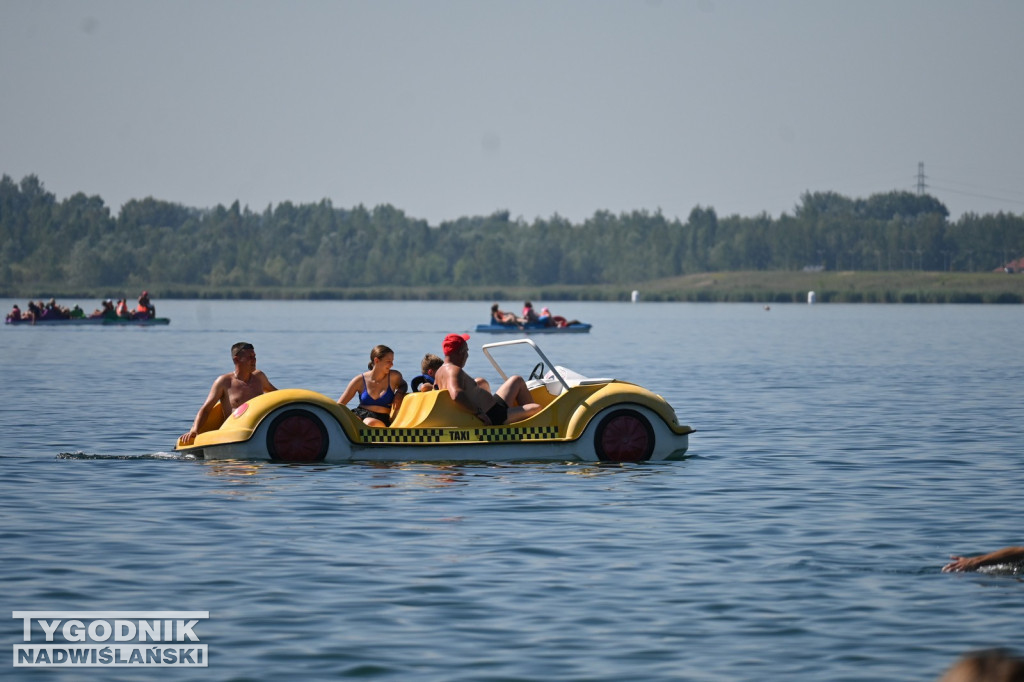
x: 504, y: 444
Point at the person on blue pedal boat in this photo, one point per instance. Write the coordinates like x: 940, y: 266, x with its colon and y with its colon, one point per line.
x: 529, y: 314
x: 380, y: 390
x: 512, y: 401
x: 550, y: 320
x: 232, y: 389
x: 503, y: 318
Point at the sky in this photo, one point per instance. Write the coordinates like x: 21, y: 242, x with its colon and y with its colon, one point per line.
x: 453, y: 108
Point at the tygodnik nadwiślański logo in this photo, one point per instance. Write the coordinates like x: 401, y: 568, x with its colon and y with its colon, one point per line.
x: 116, y: 639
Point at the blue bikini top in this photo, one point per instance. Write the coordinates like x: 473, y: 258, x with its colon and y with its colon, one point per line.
x: 385, y: 400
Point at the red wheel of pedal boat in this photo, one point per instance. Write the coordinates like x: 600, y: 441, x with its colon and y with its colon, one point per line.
x: 297, y: 436
x: 624, y: 436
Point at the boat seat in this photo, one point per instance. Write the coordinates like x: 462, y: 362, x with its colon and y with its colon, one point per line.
x: 429, y: 409
x: 214, y: 418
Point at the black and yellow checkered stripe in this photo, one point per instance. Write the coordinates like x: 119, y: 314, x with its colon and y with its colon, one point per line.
x: 454, y: 435
x: 401, y: 435
x: 516, y: 433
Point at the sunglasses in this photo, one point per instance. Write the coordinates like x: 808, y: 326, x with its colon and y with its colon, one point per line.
x: 242, y: 349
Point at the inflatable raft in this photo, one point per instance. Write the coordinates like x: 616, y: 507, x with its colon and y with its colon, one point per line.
x: 90, y: 322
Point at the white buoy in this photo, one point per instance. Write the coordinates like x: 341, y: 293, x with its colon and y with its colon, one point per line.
x: 636, y: 296
x: 811, y: 297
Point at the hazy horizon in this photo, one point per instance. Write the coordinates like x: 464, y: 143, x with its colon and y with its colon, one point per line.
x: 455, y: 108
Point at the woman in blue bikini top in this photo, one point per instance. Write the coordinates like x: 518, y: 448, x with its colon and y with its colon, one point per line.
x: 386, y: 383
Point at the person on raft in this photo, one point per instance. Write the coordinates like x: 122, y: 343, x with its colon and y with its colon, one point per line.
x: 146, y: 310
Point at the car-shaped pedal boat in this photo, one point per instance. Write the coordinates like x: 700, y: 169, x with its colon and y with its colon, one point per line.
x: 581, y: 420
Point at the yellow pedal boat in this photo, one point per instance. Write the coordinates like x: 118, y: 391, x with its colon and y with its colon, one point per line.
x: 582, y: 420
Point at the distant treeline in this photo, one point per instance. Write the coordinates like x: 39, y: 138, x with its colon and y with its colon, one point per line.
x: 78, y: 244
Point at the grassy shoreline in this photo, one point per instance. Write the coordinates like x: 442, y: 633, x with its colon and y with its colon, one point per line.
x: 841, y: 287
x: 731, y: 287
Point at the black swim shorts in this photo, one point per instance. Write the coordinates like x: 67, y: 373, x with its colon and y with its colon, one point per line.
x: 363, y: 413
x: 499, y: 412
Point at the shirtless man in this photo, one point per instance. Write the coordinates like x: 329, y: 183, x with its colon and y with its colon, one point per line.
x: 511, y: 403
x: 232, y: 389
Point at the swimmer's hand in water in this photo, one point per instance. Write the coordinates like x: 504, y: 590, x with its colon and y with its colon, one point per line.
x: 959, y: 564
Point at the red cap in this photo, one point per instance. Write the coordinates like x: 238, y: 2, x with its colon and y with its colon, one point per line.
x: 453, y: 342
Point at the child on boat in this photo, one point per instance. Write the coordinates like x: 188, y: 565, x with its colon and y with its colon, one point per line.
x: 428, y: 366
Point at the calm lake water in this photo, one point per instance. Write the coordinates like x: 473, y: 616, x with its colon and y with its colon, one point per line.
x: 842, y: 453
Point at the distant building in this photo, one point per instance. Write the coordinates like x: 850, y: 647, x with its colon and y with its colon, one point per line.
x: 1012, y: 267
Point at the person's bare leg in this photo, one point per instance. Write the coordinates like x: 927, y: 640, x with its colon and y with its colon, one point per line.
x: 517, y: 396
x: 518, y: 414
x: 514, y: 391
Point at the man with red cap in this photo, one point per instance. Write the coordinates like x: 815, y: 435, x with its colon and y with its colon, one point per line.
x: 510, y: 403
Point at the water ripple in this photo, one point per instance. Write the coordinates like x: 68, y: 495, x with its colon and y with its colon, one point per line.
x: 843, y: 453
